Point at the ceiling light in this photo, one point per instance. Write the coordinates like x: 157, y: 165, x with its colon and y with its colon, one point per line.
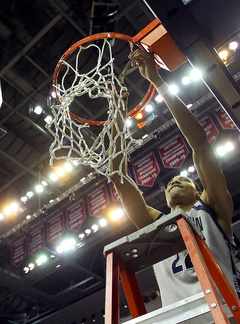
x: 129, y: 122
x: 95, y: 228
x: 81, y: 236
x: 116, y: 214
x: 233, y: 46
x: 191, y: 169
x: 7, y: 211
x: 44, y: 183
x: 158, y: 98
x: 59, y: 249
x: 223, y: 55
x: 29, y: 194
x: 139, y: 116
x: 88, y: 231
x: 28, y: 216
x: 103, y: 222
x: 173, y: 88
x: 48, y: 119
x: 14, y: 207
x: 186, y: 80
x: 39, y: 188
x: 38, y: 110
x: 196, y: 74
x: 31, y: 266
x: 149, y: 108
x: 189, y: 106
x: 53, y: 176
x: 60, y: 172
x: 53, y: 94
x: 41, y: 260
x: 24, y: 199
x: 229, y: 147
x: 183, y: 173
x: 26, y: 269
x: 68, y: 167
x: 221, y: 150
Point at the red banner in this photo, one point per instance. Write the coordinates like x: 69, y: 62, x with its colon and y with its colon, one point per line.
x: 97, y: 201
x: 146, y: 170
x: 114, y: 193
x: 75, y: 215
x: 36, y: 239
x: 223, y: 118
x: 55, y: 228
x: 210, y: 128
x: 173, y: 152
x: 19, y: 250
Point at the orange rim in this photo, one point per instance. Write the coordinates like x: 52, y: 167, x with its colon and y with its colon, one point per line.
x: 131, y: 113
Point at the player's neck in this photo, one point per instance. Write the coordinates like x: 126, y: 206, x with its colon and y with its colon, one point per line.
x: 184, y: 207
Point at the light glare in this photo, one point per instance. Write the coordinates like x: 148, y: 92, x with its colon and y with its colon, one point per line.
x: 196, y: 74
x: 183, y: 173
x: 53, y: 176
x: 116, y: 214
x: 233, y: 46
x: 221, y: 150
x: 229, y: 146
x: 39, y: 188
x: 103, y: 222
x: 149, y: 108
x: 158, y: 98
x: 223, y: 55
x: 38, y: 110
x: 139, y: 116
x: 60, y: 172
x: 186, y: 80
x: 173, y: 88
x: 29, y: 194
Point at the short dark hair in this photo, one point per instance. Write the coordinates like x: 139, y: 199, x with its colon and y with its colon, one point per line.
x: 197, y: 185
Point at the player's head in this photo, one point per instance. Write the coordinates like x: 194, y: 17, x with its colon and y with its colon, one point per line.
x: 182, y: 191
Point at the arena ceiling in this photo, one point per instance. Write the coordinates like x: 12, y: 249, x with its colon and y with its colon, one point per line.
x: 33, y: 37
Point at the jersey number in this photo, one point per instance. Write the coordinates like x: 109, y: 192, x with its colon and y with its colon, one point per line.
x: 178, y: 267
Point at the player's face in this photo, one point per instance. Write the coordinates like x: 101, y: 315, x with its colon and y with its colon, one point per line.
x: 181, y: 190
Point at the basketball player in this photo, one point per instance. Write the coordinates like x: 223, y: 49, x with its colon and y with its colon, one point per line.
x: 210, y: 209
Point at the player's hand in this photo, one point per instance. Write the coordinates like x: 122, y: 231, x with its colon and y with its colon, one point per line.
x: 146, y: 63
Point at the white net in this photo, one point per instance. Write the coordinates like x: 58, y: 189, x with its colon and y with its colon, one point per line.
x: 70, y: 141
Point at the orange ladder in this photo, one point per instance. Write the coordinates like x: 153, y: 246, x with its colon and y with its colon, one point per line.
x: 205, y: 264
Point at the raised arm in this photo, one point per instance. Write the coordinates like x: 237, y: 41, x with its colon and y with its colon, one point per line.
x: 131, y: 198
x: 215, y: 193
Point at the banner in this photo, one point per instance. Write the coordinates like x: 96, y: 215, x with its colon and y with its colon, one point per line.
x: 19, y: 250
x: 97, y: 201
x: 75, y: 215
x: 36, y: 239
x: 210, y: 128
x: 114, y: 193
x: 223, y: 118
x: 173, y: 151
x: 146, y: 170
x: 55, y: 228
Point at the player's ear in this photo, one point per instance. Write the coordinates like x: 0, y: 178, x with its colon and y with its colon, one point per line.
x: 198, y: 195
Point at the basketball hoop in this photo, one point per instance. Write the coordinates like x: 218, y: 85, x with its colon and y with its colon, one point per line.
x: 134, y: 111
x: 69, y: 129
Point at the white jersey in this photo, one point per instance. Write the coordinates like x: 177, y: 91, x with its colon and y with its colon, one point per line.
x: 176, y: 276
